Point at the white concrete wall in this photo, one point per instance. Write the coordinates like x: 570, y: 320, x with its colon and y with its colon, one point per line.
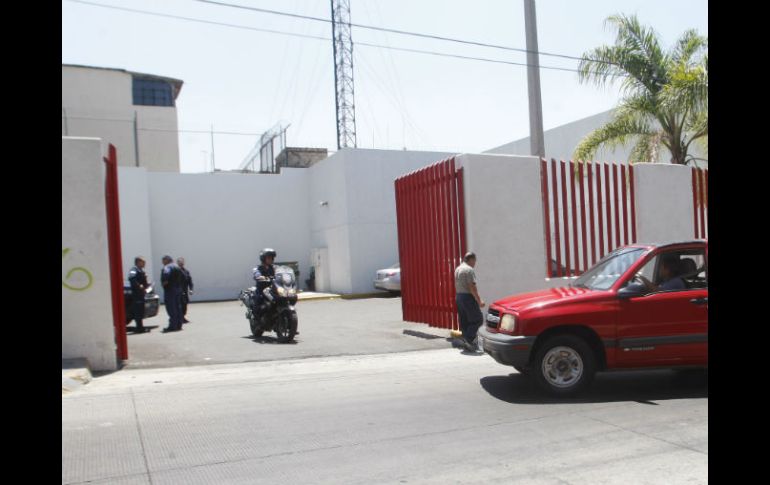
x: 135, y: 231
x: 560, y: 143
x: 371, y: 176
x: 220, y: 222
x: 358, y: 226
x: 87, y: 324
x: 504, y: 223
x: 99, y: 103
x: 329, y: 222
x: 158, y: 150
x: 504, y: 218
x: 664, y: 206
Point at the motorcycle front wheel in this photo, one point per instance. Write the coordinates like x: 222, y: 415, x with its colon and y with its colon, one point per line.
x: 255, y: 330
x: 286, y: 328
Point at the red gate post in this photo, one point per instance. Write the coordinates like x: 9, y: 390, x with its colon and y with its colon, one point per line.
x: 633, y: 202
x: 423, y: 236
x: 455, y: 230
x: 546, y: 215
x: 574, y: 216
x: 616, y: 206
x: 695, y: 202
x: 599, y: 209
x: 115, y: 254
x: 411, y: 208
x: 591, y: 211
x: 446, y: 320
x: 565, y: 214
x: 701, y: 194
x: 557, y: 235
x: 583, y: 238
x: 607, y: 200
x: 625, y: 203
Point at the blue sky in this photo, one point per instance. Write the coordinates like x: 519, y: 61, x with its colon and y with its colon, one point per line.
x: 247, y: 81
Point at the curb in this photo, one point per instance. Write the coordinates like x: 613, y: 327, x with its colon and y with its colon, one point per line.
x: 319, y: 297
x: 359, y: 296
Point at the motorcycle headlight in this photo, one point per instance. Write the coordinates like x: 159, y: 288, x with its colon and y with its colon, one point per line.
x: 508, y: 323
x: 281, y: 291
x: 292, y: 291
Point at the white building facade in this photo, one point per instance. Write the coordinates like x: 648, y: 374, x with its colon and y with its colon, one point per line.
x: 136, y: 112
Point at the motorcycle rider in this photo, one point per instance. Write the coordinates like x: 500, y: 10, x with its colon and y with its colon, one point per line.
x: 263, y: 274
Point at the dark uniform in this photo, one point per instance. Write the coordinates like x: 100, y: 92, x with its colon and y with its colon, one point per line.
x: 187, y: 286
x: 260, y: 272
x: 137, y: 278
x: 172, y: 279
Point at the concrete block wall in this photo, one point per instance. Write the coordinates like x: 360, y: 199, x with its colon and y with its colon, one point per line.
x: 87, y: 323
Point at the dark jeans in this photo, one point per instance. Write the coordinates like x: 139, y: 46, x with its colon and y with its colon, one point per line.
x: 173, y: 300
x: 470, y: 315
x: 137, y: 310
x: 185, y: 300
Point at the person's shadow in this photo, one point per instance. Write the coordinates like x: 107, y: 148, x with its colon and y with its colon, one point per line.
x: 459, y: 346
x: 644, y: 387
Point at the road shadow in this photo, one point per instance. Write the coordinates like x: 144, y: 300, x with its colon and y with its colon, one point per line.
x: 644, y: 387
x: 266, y: 339
x: 147, y: 328
x: 422, y: 335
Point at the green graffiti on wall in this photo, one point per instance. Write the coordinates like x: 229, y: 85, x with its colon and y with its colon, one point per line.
x: 72, y: 272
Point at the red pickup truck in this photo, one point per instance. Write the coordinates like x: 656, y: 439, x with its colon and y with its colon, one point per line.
x: 641, y: 306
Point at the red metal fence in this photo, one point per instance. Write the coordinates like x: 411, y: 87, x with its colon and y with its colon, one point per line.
x: 116, y: 259
x: 431, y: 242
x: 588, y: 211
x: 700, y: 202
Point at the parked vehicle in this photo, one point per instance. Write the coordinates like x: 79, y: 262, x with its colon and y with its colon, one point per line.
x: 274, y: 311
x: 389, y: 279
x: 151, y: 303
x: 614, y: 316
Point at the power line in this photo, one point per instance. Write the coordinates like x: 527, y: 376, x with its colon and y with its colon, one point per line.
x: 162, y: 129
x: 395, y: 31
x: 366, y: 44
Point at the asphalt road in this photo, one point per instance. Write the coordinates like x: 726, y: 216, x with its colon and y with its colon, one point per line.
x: 219, y: 333
x: 363, y: 397
x: 433, y: 416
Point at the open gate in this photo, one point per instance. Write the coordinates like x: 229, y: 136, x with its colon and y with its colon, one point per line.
x: 431, y: 242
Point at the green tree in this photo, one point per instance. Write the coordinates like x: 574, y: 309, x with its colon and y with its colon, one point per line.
x: 665, y: 94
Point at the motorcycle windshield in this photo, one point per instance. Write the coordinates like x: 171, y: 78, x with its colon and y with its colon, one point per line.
x: 284, y: 276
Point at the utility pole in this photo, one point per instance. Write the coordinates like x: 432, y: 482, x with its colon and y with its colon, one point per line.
x: 213, y: 165
x: 136, y: 137
x: 343, y: 74
x: 536, y: 138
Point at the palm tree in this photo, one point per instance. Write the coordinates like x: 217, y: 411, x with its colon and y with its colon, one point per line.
x: 665, y: 93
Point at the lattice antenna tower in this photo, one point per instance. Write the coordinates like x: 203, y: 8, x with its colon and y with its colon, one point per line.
x: 343, y: 74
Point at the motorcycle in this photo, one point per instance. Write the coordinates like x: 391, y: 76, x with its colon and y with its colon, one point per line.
x: 276, y: 310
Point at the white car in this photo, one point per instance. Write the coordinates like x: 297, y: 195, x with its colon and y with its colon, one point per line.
x: 389, y: 279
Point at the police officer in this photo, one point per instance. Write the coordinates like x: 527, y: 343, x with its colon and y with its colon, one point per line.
x: 187, y: 288
x: 171, y: 278
x: 264, y: 273
x: 137, y: 278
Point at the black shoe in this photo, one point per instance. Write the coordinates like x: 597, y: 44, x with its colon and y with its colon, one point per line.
x: 166, y: 330
x: 185, y: 321
x: 141, y: 330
